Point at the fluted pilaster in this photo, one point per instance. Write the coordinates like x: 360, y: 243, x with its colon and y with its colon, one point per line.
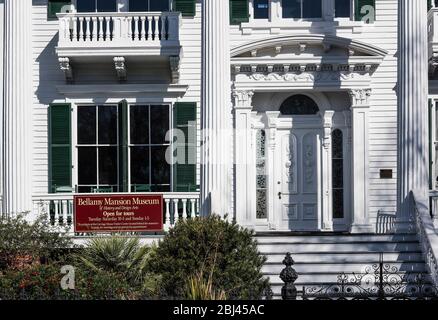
x: 412, y: 90
x: 17, y: 107
x: 216, y: 153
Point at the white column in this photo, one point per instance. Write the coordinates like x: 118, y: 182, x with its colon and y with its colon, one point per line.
x: 216, y: 110
x: 245, y: 180
x: 360, y: 123
x: 412, y: 93
x: 17, y: 107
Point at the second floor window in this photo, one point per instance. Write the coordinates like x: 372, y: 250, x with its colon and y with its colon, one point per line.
x: 96, y: 5
x: 302, y: 9
x: 261, y: 9
x: 148, y: 5
x: 342, y: 8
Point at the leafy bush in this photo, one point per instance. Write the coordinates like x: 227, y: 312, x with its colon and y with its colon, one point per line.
x: 210, y: 243
x: 39, y: 282
x: 122, y: 258
x: 24, y: 243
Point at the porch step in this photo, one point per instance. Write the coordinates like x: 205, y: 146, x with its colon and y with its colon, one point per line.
x: 320, y: 258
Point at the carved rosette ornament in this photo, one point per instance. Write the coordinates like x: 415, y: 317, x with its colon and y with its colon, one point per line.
x: 288, y: 275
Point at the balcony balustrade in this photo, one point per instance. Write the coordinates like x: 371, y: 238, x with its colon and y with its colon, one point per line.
x: 119, y: 33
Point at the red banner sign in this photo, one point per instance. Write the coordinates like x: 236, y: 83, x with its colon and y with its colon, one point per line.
x: 118, y: 213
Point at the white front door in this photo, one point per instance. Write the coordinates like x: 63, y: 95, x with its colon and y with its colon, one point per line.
x: 297, y: 178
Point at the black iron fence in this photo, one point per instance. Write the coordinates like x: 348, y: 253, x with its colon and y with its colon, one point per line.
x: 379, y: 281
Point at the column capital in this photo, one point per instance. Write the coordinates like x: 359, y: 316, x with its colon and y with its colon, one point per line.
x: 243, y: 99
x: 360, y: 98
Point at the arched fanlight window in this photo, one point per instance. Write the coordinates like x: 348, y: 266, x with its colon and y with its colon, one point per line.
x: 338, y: 174
x: 299, y: 104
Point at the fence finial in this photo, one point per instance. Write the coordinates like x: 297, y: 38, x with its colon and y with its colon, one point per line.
x: 288, y: 275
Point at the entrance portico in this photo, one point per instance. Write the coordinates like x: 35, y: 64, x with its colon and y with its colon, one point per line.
x: 295, y: 180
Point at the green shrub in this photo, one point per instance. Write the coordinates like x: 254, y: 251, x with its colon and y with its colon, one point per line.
x: 202, y: 245
x: 122, y: 258
x: 24, y: 243
x: 39, y: 282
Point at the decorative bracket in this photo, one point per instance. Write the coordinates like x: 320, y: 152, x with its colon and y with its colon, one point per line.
x: 174, y: 68
x: 120, y: 66
x: 64, y: 64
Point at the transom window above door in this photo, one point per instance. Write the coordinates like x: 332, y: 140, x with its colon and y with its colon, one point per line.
x: 148, y: 5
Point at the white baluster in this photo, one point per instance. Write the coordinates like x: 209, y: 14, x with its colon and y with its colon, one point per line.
x: 148, y: 26
x: 167, y: 214
x: 136, y: 28
x: 46, y: 210
x: 108, y: 29
x: 75, y: 29
x: 129, y: 25
x: 100, y: 27
x: 184, y: 201
x: 175, y: 211
x: 88, y: 29
x: 81, y: 28
x: 94, y: 23
x: 56, y: 217
x: 192, y: 208
x: 156, y: 29
x: 143, y: 28
x: 64, y: 211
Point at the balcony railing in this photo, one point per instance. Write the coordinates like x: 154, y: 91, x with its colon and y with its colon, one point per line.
x: 118, y: 30
x: 58, y: 208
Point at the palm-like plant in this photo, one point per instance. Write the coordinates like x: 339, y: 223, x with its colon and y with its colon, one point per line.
x: 123, y: 256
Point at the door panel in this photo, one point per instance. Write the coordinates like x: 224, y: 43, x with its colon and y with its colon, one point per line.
x: 297, y: 177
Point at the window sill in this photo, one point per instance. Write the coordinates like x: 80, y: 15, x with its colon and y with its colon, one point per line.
x: 276, y: 27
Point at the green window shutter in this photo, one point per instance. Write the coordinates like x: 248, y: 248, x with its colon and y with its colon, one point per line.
x: 186, y: 7
x: 60, y: 168
x: 362, y: 13
x: 239, y: 11
x: 184, y: 174
x: 55, y: 6
x: 123, y: 146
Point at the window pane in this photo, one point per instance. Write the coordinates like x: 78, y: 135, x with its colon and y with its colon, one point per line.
x: 261, y: 9
x: 87, y: 125
x: 160, y: 167
x: 291, y: 8
x: 107, y: 5
x: 108, y: 165
x: 138, y: 5
x: 86, y: 5
x: 139, y: 122
x: 342, y: 8
x: 159, y: 5
x: 338, y: 204
x: 87, y: 165
x: 107, y: 125
x: 139, y: 165
x: 159, y: 124
x: 312, y: 8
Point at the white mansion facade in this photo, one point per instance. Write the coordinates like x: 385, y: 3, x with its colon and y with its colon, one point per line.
x: 297, y: 116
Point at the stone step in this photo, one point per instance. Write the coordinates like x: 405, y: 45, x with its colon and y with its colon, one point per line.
x: 303, y: 268
x: 345, y: 257
x: 352, y: 247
